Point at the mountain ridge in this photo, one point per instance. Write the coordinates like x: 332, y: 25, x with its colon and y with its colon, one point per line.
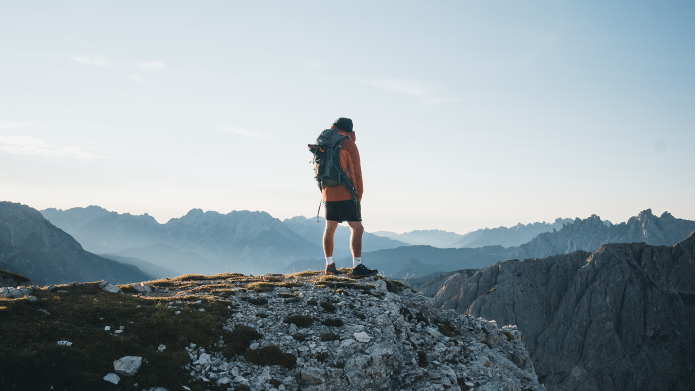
x: 30, y: 245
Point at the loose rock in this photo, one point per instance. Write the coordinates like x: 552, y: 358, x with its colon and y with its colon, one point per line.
x: 128, y: 365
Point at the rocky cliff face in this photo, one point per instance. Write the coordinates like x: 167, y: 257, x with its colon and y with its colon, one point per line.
x: 33, y: 247
x: 589, y: 234
x: 621, y: 318
x: 445, y: 289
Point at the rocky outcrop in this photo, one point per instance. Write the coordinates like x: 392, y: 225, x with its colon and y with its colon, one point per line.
x: 12, y: 279
x: 33, y: 247
x: 369, y: 335
x: 621, y: 318
x: 445, y: 289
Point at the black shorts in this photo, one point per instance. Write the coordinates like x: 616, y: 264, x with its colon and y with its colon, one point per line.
x: 342, y: 211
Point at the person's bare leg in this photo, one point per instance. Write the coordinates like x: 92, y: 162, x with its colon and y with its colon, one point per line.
x: 329, y: 237
x: 357, y: 230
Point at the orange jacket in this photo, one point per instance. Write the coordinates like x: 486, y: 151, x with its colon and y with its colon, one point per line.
x: 350, y: 162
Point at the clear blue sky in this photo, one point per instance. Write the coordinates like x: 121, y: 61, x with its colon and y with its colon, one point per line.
x: 467, y: 114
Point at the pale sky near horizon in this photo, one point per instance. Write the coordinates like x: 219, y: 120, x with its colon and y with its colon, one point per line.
x: 467, y: 114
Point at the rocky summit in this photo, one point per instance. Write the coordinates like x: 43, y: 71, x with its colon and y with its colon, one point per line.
x: 304, y: 331
x: 363, y: 337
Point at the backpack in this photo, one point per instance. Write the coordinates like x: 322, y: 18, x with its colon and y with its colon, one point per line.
x: 327, y: 162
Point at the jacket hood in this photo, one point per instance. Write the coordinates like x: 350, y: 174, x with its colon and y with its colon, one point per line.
x: 344, y: 133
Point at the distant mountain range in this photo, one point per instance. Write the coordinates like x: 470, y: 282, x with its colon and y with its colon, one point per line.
x: 255, y: 242
x: 621, y: 318
x: 199, y: 242
x: 501, y: 236
x: 431, y: 237
x: 31, y: 246
x: 589, y: 234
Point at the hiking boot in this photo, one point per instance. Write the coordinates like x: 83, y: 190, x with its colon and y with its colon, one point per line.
x: 331, y: 269
x: 361, y: 271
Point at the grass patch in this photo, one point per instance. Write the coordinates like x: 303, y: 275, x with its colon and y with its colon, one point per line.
x: 446, y: 328
x: 289, y: 298
x: 275, y: 382
x: 408, y: 316
x: 256, y: 300
x: 312, y: 302
x: 261, y: 315
x: 330, y: 336
x: 128, y: 289
x: 271, y: 355
x: 327, y: 306
x: 306, y: 273
x: 224, y: 292
x: 394, y: 286
x: 299, y: 320
x: 31, y: 359
x: 238, y: 341
x: 299, y: 337
x: 336, y: 282
x: 422, y: 359
x: 420, y: 317
x: 339, y: 364
x: 321, y: 357
x: 270, y: 286
x: 333, y: 322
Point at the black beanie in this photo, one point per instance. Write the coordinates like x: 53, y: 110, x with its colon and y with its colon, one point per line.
x: 345, y: 124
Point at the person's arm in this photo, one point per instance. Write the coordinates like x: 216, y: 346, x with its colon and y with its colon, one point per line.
x: 353, y: 169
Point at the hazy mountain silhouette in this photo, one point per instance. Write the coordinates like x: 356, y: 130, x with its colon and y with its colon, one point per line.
x: 207, y: 242
x: 155, y: 271
x: 30, y: 245
x: 430, y: 237
x: 508, y: 236
x: 589, y: 234
x: 501, y: 236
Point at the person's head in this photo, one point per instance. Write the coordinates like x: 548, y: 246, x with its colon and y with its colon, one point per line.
x: 344, y: 124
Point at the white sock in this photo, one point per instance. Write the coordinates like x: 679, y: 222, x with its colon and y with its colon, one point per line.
x: 357, y: 261
x: 329, y: 261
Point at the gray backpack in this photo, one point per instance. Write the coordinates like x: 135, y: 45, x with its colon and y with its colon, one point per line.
x: 327, y: 162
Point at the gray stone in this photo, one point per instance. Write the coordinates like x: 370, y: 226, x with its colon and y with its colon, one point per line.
x: 312, y: 375
x: 112, y: 378
x: 110, y: 288
x: 142, y: 288
x: 128, y: 365
x: 361, y: 337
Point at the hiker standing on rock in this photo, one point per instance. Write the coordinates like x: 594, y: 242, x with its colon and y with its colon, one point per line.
x: 337, y: 168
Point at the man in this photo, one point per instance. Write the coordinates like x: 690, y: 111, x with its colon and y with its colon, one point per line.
x: 340, y: 206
